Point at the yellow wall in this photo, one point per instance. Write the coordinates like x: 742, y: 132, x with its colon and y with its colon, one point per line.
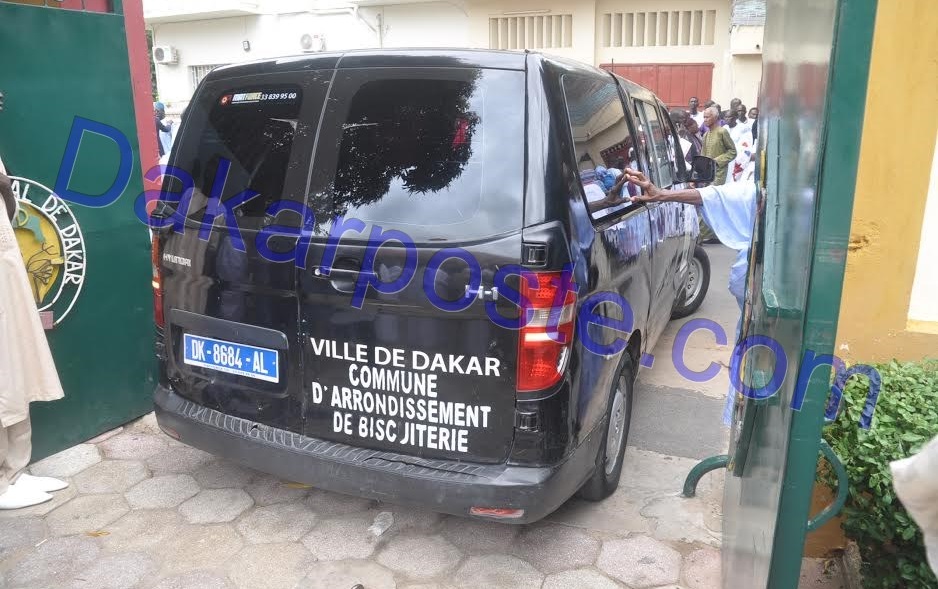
x: 896, y: 152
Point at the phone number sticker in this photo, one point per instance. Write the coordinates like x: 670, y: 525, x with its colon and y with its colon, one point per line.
x: 253, y: 97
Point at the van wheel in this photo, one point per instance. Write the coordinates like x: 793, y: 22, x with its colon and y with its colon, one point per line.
x: 605, y: 479
x: 696, y: 285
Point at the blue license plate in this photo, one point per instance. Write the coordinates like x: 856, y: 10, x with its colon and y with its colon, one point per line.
x: 232, y: 358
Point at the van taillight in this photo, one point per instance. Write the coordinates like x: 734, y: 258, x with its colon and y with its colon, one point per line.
x: 545, y: 342
x: 157, y: 282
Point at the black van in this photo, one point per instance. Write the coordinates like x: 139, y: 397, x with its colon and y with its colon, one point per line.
x: 385, y: 273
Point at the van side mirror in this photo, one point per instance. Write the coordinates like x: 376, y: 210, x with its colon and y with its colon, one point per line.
x: 703, y: 169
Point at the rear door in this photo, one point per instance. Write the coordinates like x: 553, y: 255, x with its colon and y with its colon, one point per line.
x: 417, y: 188
x: 231, y: 312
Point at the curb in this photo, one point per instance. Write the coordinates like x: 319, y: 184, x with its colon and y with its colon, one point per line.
x: 850, y: 565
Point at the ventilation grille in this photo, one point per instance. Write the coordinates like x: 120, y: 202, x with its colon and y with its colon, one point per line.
x: 658, y: 29
x: 548, y: 31
x: 197, y: 72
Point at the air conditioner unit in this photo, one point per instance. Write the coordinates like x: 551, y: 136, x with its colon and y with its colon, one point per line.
x: 165, y: 54
x: 311, y: 43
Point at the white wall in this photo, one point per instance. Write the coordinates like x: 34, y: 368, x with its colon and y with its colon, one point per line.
x: 425, y: 25
x: 746, y: 64
x: 443, y: 24
x: 219, y: 41
x: 201, y: 42
x: 746, y: 75
x: 924, y: 303
x: 584, y: 19
x: 341, y: 31
x: 716, y: 53
x: 746, y: 40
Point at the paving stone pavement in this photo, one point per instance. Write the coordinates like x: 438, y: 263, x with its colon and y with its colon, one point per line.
x: 146, y: 512
x: 133, y: 518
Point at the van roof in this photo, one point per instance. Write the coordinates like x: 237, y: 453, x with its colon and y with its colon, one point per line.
x: 417, y: 57
x: 480, y: 58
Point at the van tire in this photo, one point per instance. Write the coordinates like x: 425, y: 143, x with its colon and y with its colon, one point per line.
x: 605, y: 478
x: 700, y: 266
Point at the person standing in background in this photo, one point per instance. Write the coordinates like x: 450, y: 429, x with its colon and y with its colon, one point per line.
x: 734, y: 105
x: 718, y: 145
x: 159, y: 113
x: 692, y: 110
x: 678, y: 119
x: 702, y: 123
x: 731, y: 211
x: 736, y: 129
x: 754, y: 122
x: 742, y: 139
x: 26, y: 365
x: 690, y: 132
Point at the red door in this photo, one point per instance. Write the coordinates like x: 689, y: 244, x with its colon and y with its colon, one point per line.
x: 674, y: 83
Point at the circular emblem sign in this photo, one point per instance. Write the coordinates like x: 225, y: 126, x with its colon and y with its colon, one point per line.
x: 52, y: 246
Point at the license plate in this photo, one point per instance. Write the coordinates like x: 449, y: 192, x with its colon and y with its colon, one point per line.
x: 232, y: 358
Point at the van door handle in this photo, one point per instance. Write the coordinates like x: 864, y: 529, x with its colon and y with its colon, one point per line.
x: 321, y: 273
x: 341, y: 279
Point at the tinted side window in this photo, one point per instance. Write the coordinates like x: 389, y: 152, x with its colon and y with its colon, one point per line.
x: 602, y: 140
x: 675, y: 149
x: 245, y: 143
x: 659, y: 158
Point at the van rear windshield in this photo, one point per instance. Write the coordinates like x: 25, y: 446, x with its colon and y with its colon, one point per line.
x: 435, y: 153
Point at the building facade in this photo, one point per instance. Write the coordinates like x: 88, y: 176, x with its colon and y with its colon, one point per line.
x: 889, y: 308
x: 678, y: 48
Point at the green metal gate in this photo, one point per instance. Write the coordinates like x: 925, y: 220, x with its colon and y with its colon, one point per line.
x: 56, y: 64
x: 816, y: 60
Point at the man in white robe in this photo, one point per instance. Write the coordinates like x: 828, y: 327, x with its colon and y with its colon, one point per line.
x: 916, y: 482
x: 730, y: 210
x: 28, y: 373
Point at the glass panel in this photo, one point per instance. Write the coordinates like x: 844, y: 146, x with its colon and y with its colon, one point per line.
x: 660, y: 160
x: 675, y: 151
x: 245, y: 143
x: 436, y: 154
x: 602, y: 140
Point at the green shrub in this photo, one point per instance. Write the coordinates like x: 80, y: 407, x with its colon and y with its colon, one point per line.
x: 906, y: 418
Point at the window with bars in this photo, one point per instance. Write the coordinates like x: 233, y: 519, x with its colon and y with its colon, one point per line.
x: 658, y: 29
x: 197, y: 72
x: 543, y: 31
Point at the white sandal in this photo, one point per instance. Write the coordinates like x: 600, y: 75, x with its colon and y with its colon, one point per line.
x: 17, y: 497
x: 44, y: 484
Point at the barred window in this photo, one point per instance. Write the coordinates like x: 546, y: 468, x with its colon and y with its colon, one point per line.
x: 543, y: 31
x: 197, y: 72
x: 658, y: 29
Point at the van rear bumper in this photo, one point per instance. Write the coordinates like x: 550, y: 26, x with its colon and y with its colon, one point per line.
x: 447, y: 486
